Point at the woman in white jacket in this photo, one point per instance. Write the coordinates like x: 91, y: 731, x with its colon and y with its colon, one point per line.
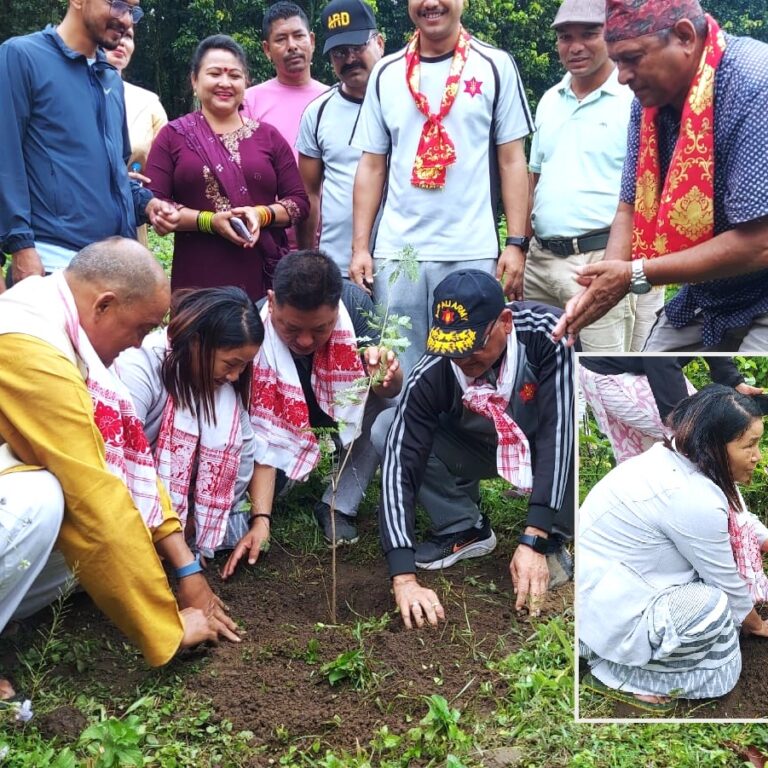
x: 669, y: 562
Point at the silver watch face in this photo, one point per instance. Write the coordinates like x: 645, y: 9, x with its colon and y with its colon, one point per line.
x: 639, y: 286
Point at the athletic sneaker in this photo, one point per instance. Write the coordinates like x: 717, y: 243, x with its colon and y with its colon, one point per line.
x: 560, y: 563
x: 443, y: 551
x: 346, y: 532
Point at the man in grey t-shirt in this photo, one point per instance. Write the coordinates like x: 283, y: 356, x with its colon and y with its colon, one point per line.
x: 327, y: 162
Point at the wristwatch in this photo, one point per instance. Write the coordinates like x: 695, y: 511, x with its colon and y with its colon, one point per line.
x: 638, y: 283
x: 521, y: 242
x: 536, y: 543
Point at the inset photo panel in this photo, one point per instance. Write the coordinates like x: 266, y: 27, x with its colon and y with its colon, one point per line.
x: 671, y: 589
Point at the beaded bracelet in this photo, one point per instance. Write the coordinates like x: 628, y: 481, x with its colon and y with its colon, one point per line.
x: 266, y: 215
x: 205, y: 222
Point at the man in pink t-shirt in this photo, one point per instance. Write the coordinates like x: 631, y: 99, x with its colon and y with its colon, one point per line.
x: 289, y: 45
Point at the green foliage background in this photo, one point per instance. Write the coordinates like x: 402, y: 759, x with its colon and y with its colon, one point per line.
x: 169, y: 33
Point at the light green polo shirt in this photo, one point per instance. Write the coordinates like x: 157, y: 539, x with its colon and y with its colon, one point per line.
x: 578, y: 151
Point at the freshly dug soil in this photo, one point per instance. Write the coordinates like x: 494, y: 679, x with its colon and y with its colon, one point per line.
x: 272, y: 684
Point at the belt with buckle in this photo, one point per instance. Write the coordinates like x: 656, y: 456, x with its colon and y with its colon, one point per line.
x: 568, y: 246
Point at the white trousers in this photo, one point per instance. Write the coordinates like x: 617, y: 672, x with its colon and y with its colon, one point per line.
x: 31, y: 574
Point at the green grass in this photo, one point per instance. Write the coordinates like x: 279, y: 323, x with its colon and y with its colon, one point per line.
x: 529, y: 706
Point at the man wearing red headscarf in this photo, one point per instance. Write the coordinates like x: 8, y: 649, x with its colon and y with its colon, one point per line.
x: 694, y: 197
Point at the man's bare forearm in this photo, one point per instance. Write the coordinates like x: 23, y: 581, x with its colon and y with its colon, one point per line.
x: 369, y: 187
x: 620, y: 240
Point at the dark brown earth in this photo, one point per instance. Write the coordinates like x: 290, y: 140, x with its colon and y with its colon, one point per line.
x: 268, y: 685
x: 271, y: 684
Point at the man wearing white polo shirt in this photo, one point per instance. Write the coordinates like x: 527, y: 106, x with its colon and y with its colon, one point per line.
x: 576, y: 160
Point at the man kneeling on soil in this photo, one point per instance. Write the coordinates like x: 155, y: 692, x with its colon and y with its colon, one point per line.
x: 492, y: 396
x: 306, y: 377
x: 75, y: 468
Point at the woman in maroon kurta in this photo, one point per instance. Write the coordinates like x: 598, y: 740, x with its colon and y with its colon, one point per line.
x: 216, y: 165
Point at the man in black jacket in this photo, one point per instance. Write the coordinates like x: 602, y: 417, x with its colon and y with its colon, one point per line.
x: 492, y: 396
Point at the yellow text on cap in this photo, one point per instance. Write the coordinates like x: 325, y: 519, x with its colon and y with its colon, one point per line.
x: 338, y: 20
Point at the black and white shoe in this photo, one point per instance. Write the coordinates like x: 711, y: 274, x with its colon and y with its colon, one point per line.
x: 346, y: 532
x: 443, y: 551
x: 560, y: 564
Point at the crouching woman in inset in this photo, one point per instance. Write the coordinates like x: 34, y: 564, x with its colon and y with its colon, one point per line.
x: 669, y: 563
x: 191, y: 384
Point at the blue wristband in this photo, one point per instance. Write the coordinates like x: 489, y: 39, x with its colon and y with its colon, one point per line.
x: 190, y: 568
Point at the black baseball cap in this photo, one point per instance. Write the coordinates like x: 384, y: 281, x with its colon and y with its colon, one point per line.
x: 464, y: 304
x: 347, y: 22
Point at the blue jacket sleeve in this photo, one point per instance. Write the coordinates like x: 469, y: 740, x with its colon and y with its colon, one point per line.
x: 15, y: 106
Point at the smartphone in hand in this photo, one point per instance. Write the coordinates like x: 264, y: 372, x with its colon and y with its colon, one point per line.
x: 240, y: 228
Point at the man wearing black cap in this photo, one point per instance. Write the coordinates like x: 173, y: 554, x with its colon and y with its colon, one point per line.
x: 492, y: 396
x: 327, y: 161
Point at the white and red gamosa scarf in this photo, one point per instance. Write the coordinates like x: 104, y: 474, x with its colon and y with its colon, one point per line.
x: 47, y: 310
x: 279, y: 412
x: 747, y: 534
x: 513, y: 454
x: 189, y: 443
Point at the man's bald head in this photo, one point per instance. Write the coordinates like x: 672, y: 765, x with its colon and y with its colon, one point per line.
x: 121, y: 293
x: 120, y: 265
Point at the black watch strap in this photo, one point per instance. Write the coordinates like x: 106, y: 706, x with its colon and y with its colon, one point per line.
x: 521, y: 242
x: 536, y: 543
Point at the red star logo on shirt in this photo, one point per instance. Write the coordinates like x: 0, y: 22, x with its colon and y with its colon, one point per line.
x: 472, y: 87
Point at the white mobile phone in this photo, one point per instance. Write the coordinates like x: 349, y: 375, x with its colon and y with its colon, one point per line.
x: 240, y: 228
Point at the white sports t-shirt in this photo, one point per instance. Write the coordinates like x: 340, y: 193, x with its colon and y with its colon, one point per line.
x: 458, y: 221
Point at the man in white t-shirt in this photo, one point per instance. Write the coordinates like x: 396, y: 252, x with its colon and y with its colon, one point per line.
x: 327, y: 161
x: 289, y: 45
x: 442, y: 128
x: 577, y: 155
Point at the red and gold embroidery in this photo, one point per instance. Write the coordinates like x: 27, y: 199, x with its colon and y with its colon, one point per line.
x: 681, y: 214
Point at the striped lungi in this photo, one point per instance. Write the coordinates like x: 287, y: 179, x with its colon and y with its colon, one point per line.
x: 695, y: 645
